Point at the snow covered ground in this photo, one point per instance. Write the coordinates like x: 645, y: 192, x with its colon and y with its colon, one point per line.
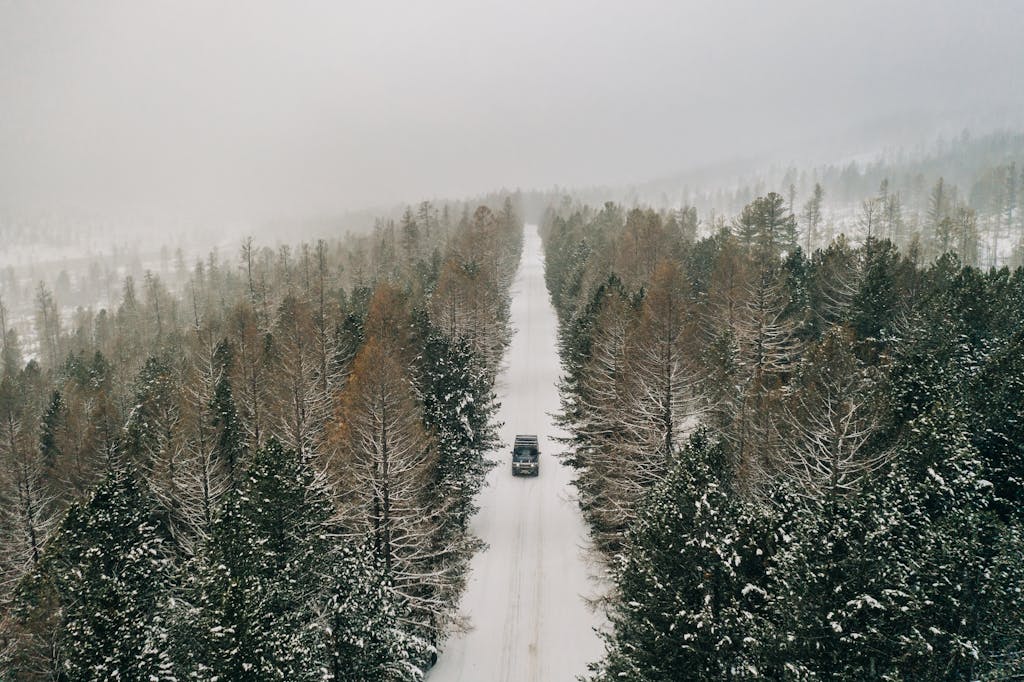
x: 527, y: 598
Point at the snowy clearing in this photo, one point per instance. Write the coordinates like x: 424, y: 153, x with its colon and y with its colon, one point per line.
x: 527, y: 598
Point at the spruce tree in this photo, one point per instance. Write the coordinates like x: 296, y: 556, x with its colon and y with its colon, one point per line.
x: 249, y: 612
x: 907, y: 578
x: 812, y: 215
x: 230, y: 435
x: 363, y: 636
x: 110, y: 565
x: 690, y: 582
x: 53, y: 421
x: 458, y: 409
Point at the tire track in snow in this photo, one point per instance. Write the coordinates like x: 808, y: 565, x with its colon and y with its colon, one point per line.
x: 512, y: 608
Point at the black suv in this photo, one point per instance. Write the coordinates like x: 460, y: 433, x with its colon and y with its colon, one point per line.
x: 524, y: 456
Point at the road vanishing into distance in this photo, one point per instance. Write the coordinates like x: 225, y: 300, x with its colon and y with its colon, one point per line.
x: 527, y: 599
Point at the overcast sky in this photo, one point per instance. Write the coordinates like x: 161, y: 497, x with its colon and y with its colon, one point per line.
x: 308, y: 107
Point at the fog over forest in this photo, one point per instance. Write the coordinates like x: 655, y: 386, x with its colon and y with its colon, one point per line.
x: 256, y: 109
x: 462, y: 340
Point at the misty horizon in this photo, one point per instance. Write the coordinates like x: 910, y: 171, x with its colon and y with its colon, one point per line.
x: 256, y: 110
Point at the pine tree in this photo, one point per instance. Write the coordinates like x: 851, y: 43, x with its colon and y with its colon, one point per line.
x: 301, y: 405
x: 230, y: 438
x: 248, y: 610
x: 110, y: 565
x: 728, y: 287
x: 639, y: 249
x: 206, y: 471
x: 253, y: 346
x: 873, y: 308
x: 53, y: 422
x: 48, y: 325
x: 766, y: 227
x: 690, y: 581
x: 383, y: 465
x: 831, y: 419
x: 870, y: 218
x: 939, y: 224
x: 836, y: 274
x: 10, y: 353
x: 458, y: 409
x: 664, y: 398
x: 746, y: 227
x: 892, y: 213
x: 75, y: 432
x: 361, y: 622
x: 768, y: 347
x: 905, y: 579
x: 150, y: 439
x: 812, y: 216
x: 104, y: 420
x: 595, y: 414
x: 28, y: 511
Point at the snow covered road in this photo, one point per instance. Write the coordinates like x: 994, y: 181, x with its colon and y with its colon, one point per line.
x: 526, y: 600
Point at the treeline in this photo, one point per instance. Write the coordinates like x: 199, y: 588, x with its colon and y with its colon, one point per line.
x: 268, y: 476
x: 805, y: 466
x: 963, y: 194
